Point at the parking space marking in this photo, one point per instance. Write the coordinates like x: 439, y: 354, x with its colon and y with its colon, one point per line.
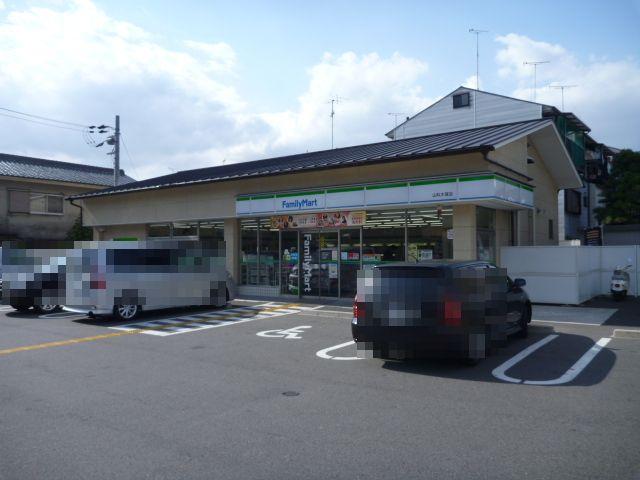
x: 500, y: 371
x: 287, y: 334
x: 63, y: 343
x: 324, y: 353
x: 208, y: 320
x: 576, y: 368
x: 172, y: 326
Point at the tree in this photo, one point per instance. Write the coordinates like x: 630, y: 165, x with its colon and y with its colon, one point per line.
x: 621, y: 191
x: 78, y: 232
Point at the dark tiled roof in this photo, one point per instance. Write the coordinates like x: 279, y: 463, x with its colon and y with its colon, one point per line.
x: 477, y: 139
x: 52, y: 170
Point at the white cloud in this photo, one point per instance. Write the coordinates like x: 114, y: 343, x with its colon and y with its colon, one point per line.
x: 607, y: 95
x: 179, y: 108
x: 369, y: 87
x: 470, y: 82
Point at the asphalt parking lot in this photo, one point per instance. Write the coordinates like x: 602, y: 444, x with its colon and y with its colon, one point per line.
x: 273, y: 390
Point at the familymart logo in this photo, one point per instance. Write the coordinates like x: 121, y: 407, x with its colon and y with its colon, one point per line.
x: 305, y: 202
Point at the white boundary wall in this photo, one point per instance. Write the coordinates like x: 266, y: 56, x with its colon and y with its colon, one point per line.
x: 569, y: 274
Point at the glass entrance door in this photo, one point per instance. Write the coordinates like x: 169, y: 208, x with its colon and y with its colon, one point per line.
x: 319, y: 264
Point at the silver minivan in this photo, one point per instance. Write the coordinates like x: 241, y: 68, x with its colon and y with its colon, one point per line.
x: 122, y: 278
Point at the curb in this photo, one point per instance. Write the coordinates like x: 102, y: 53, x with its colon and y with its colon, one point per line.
x: 625, y: 333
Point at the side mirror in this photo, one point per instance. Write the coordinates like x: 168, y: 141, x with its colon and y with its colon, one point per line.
x: 519, y: 283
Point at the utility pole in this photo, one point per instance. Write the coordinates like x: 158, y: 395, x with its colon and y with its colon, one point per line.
x: 561, y: 88
x: 110, y: 140
x: 396, y: 115
x: 477, y: 33
x: 535, y: 72
x: 116, y: 156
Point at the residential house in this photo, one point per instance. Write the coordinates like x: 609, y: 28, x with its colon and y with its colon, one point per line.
x: 32, y: 193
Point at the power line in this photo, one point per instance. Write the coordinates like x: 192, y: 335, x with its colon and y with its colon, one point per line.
x: 44, y: 118
x: 129, y: 155
x: 41, y: 123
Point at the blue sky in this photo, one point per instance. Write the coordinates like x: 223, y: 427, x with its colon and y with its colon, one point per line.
x: 202, y: 83
x: 276, y: 41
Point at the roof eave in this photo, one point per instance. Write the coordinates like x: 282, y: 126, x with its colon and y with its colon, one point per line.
x: 102, y: 193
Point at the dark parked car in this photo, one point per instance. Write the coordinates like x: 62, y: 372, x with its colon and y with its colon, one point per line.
x: 439, y: 308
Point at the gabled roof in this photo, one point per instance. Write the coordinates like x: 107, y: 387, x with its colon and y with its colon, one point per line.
x: 53, y: 170
x: 482, y: 139
x: 547, y: 110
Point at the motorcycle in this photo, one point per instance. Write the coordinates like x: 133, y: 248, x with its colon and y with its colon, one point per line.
x: 620, y: 282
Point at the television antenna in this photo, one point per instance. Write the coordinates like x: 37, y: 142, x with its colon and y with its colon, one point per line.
x: 336, y: 99
x: 561, y: 88
x: 396, y: 115
x: 535, y: 73
x: 477, y: 33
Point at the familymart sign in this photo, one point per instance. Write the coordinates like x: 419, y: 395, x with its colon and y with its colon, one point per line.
x: 424, y: 191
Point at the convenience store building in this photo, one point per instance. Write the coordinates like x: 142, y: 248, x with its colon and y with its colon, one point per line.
x: 303, y: 225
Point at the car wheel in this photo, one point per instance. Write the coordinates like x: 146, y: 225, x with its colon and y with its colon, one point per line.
x: 21, y: 308
x: 126, y: 312
x: 46, y: 308
x: 524, y: 322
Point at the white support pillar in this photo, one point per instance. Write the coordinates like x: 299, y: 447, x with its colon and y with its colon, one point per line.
x: 464, y: 232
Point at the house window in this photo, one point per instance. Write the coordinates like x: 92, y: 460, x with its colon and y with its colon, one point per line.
x: 461, y: 100
x: 572, y: 201
x: 18, y: 201
x: 21, y: 201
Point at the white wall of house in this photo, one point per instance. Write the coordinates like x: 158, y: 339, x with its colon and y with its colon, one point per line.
x: 490, y: 109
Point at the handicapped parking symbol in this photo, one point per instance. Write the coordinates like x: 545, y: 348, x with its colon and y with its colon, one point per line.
x: 289, y: 333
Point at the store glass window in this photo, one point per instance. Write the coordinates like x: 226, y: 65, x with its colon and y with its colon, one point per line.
x: 160, y: 230
x: 486, y: 234
x: 185, y: 229
x: 212, y: 230
x: 248, y: 251
x: 429, y: 233
x: 349, y: 261
x: 383, y: 237
x: 289, y: 283
x: 268, y: 255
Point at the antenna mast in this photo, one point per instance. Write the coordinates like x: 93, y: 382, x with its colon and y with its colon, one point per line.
x: 396, y: 115
x: 561, y: 88
x: 477, y: 33
x: 535, y: 72
x: 337, y: 99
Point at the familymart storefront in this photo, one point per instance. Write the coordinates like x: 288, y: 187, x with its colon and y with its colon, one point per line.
x: 312, y: 243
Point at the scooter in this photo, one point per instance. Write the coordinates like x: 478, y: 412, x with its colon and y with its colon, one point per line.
x: 620, y: 282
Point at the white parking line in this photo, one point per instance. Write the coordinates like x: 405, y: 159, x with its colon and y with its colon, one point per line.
x: 576, y: 368
x: 499, y: 371
x: 324, y: 352
x: 566, y: 377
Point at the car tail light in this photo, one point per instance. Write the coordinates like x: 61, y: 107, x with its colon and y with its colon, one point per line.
x: 452, y: 313
x: 358, y: 309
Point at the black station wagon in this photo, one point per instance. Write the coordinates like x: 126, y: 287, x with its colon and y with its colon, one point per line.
x: 439, y: 308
